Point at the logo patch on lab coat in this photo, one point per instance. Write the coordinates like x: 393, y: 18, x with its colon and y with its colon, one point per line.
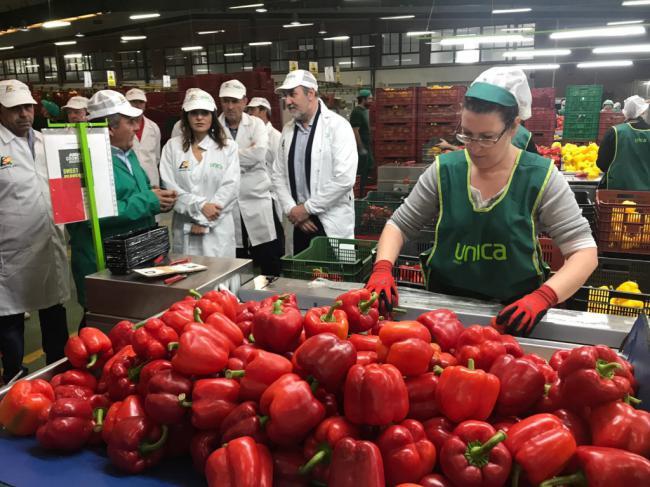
x: 5, y: 162
x: 185, y: 166
x: 216, y: 165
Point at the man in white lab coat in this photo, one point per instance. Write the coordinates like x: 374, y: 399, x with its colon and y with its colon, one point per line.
x: 34, y: 273
x: 146, y: 142
x: 316, y: 165
x: 256, y: 228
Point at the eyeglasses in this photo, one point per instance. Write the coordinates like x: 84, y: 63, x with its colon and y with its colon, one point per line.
x: 483, y: 142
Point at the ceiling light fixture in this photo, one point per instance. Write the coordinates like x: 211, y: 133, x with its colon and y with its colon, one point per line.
x: 518, y: 29
x: 625, y: 22
x: 55, y: 24
x: 206, y: 32
x: 79, y: 34
x: 461, y: 40
x: 6, y: 48
x: 65, y: 43
x: 635, y: 3
x: 151, y: 15
x: 606, y: 64
x: 531, y: 53
x: 535, y: 67
x: 599, y: 32
x: 622, y: 49
x: 421, y: 33
x: 250, y: 5
x: 262, y: 11
x: 398, y: 17
x: 511, y: 10
x: 336, y: 38
x: 262, y: 43
x: 191, y: 48
x: 72, y: 56
x: 133, y: 38
x: 297, y: 24
x: 363, y: 47
x: 233, y: 54
x: 346, y: 62
x: 32, y: 65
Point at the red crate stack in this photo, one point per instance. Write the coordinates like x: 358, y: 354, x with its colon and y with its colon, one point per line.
x: 543, y: 137
x: 439, y: 111
x: 607, y: 120
x: 543, y: 97
x: 542, y: 119
x: 394, y: 115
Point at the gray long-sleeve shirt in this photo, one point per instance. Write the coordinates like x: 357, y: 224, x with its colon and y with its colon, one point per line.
x: 557, y: 215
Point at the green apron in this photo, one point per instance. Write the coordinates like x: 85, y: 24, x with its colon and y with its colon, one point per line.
x: 137, y: 205
x: 521, y: 138
x: 493, y: 252
x: 630, y: 169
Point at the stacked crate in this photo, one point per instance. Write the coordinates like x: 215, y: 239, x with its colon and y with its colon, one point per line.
x: 394, y: 116
x: 607, y: 120
x: 438, y: 116
x: 582, y: 112
x: 542, y: 122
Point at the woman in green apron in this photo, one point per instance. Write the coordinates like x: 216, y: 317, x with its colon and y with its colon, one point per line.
x: 489, y: 202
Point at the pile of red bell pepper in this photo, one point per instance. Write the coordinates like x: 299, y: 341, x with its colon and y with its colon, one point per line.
x: 260, y: 394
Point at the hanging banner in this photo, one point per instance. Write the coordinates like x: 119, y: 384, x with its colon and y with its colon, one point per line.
x: 167, y: 81
x: 110, y: 78
x: 293, y: 65
x: 88, y: 80
x: 313, y: 67
x: 65, y: 171
x: 329, y: 74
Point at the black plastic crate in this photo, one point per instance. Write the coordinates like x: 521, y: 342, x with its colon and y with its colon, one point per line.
x: 129, y: 250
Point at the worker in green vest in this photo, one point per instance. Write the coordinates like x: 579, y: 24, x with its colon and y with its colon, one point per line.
x: 137, y: 202
x: 624, y: 152
x: 360, y: 121
x: 489, y: 202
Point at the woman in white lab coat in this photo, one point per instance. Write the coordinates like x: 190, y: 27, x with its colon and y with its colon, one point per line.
x: 202, y: 166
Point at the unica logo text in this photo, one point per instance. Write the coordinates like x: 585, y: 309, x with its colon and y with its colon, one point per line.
x: 474, y: 253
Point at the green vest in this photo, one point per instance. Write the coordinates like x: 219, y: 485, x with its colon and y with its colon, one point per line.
x: 492, y: 252
x: 521, y: 138
x: 137, y: 205
x: 630, y: 169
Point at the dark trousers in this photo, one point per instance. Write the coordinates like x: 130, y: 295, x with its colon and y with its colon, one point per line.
x: 266, y: 256
x: 301, y: 240
x: 54, y: 335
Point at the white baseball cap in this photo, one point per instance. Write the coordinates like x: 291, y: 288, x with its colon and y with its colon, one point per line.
x: 136, y: 94
x: 197, y: 99
x: 109, y: 102
x: 232, y: 89
x: 296, y: 78
x: 77, y: 103
x: 259, y: 102
x: 14, y: 93
x: 513, y: 80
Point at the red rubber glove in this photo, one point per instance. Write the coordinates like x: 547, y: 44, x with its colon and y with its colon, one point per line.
x: 520, y: 317
x: 382, y: 282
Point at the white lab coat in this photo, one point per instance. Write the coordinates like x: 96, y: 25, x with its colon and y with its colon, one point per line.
x: 176, y: 129
x: 148, y: 150
x: 255, y: 203
x: 274, y: 142
x: 213, y: 180
x: 34, y: 271
x: 333, y: 172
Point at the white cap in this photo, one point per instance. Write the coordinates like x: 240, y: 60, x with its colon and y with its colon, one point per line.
x: 514, y: 80
x: 296, y: 78
x: 14, y: 92
x: 77, y: 103
x: 197, y: 99
x: 259, y: 102
x: 608, y: 102
x: 634, y: 107
x: 109, y: 102
x: 136, y: 94
x: 232, y: 89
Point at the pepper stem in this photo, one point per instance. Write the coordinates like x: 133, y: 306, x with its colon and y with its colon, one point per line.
x: 438, y: 370
x: 607, y: 369
x: 197, y: 315
x: 134, y: 373
x: 577, y: 478
x: 92, y: 360
x: 99, y: 419
x: 277, y: 307
x: 251, y: 338
x: 470, y: 364
x: 631, y: 400
x: 547, y: 389
x: 314, y: 385
x: 182, y: 401
x: 516, y: 474
x: 329, y: 317
x: 364, y: 306
x: 263, y: 420
x: 194, y: 293
x: 478, y: 454
x: 171, y: 346
x: 323, y: 454
x: 147, y: 448
x: 234, y: 374
x: 139, y: 325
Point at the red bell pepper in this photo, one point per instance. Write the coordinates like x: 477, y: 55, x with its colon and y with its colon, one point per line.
x: 435, y: 480
x: 89, y: 350
x: 126, y: 351
x: 244, y: 420
x: 212, y: 401
x: 438, y: 430
x: 245, y: 315
x: 551, y: 400
x: 136, y: 443
x: 619, y: 425
x: 207, y: 307
x: 241, y: 463
x: 361, y: 307
x: 577, y: 425
x: 329, y: 400
x: 319, y: 446
x: 150, y: 341
x: 364, y: 343
x: 165, y: 402
x: 259, y: 373
x: 512, y: 346
x: 226, y: 300
x: 440, y: 358
x: 326, y: 358
x: 465, y: 393
x: 481, y: 343
x: 69, y: 425
x: 286, y: 468
x: 541, y: 445
x: 121, y: 377
x: 121, y: 334
x: 178, y: 318
x: 606, y: 467
x: 407, y: 453
x: 589, y: 377
x: 130, y: 407
x: 522, y: 385
x: 74, y: 383
x: 444, y: 326
x: 406, y: 345
x: 375, y: 394
x: 504, y: 424
x: 22, y: 408
x: 367, y: 358
x: 292, y: 409
x: 202, y: 445
x: 289, y: 300
x: 550, y: 374
x: 557, y: 358
x: 327, y: 319
x: 224, y: 325
x: 148, y: 371
x: 356, y: 463
x: 241, y: 356
x: 474, y: 456
x: 201, y: 351
x: 277, y: 328
x: 422, y: 396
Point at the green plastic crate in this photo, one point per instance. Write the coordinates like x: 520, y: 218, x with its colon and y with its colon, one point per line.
x: 584, y: 90
x: 336, y: 259
x: 581, y: 126
x: 583, y: 99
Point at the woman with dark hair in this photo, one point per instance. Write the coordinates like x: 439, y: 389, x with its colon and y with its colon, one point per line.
x: 489, y: 202
x: 202, y: 166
